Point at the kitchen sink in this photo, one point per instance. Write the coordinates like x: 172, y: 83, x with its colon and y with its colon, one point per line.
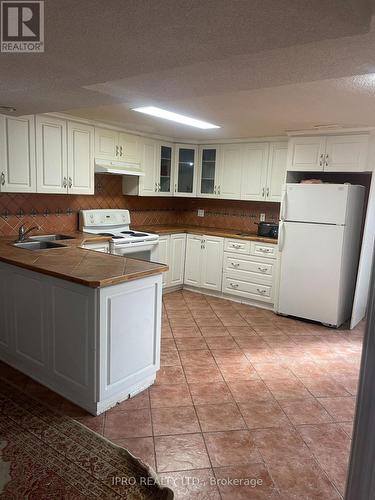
x: 51, y: 237
x: 38, y: 245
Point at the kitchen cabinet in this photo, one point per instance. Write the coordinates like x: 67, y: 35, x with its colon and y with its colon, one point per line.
x: 209, y: 172
x: 164, y: 169
x: 51, y: 155
x: 276, y: 172
x: 341, y: 153
x: 17, y: 154
x: 204, y: 261
x: 249, y: 270
x: 177, y: 250
x: 65, y: 156
x: 80, y: 158
x: 97, y: 246
x: 231, y: 172
x: 164, y: 256
x: 116, y: 146
x: 254, y: 171
x: 186, y: 170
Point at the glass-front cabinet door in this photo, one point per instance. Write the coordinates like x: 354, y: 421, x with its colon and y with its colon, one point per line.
x: 208, y: 186
x: 165, y: 185
x: 186, y: 170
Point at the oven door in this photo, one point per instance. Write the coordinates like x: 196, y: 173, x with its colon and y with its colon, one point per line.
x: 144, y: 250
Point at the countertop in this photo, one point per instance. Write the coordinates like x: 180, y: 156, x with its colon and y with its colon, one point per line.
x: 83, y: 266
x: 209, y: 231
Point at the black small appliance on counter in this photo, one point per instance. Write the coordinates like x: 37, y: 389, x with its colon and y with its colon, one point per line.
x: 268, y: 229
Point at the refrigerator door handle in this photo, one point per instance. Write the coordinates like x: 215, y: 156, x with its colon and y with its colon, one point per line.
x: 281, y: 237
x: 283, y: 206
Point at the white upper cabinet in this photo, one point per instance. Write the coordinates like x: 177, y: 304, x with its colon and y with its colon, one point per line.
x: 129, y: 148
x: 209, y: 172
x: 186, y: 170
x: 106, y: 146
x: 276, y: 170
x: 231, y: 172
x: 80, y: 158
x: 17, y: 154
x: 254, y: 171
x: 165, y: 169
x: 117, y: 146
x: 346, y: 153
x: 332, y: 153
x: 148, y: 185
x: 306, y: 154
x: 51, y: 154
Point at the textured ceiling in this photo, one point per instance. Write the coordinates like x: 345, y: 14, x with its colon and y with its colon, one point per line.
x: 238, y: 63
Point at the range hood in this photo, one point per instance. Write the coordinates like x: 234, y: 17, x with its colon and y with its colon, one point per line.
x: 117, y: 167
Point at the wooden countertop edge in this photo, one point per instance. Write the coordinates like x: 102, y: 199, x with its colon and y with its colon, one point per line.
x: 87, y: 282
x: 221, y: 233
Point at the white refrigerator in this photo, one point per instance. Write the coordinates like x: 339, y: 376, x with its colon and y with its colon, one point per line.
x: 319, y: 243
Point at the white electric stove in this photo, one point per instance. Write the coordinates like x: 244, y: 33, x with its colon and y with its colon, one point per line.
x: 116, y: 224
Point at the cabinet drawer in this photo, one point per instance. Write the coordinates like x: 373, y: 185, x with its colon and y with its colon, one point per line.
x: 250, y: 268
x: 255, y: 291
x: 263, y: 250
x: 237, y: 246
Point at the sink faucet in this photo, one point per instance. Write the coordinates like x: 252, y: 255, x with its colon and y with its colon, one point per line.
x: 23, y: 232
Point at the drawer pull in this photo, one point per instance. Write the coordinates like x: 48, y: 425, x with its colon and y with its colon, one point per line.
x: 265, y: 250
x: 236, y: 245
x: 234, y: 285
x: 261, y: 292
x: 235, y: 264
x: 263, y: 269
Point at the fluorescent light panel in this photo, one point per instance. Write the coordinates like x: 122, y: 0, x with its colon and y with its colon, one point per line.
x: 174, y: 117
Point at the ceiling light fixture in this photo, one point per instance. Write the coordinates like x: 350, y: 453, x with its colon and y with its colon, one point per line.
x: 7, y: 109
x: 174, y: 117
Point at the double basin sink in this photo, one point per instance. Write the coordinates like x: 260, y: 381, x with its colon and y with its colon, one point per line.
x: 44, y: 242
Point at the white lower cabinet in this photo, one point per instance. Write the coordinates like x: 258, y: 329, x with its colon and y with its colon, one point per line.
x: 97, y: 246
x: 171, y: 250
x: 204, y: 261
x: 249, y: 270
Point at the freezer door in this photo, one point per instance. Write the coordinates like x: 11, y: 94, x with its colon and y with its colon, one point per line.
x: 320, y: 203
x: 310, y: 267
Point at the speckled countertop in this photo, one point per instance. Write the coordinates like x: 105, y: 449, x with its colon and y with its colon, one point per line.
x: 209, y: 231
x: 83, y: 266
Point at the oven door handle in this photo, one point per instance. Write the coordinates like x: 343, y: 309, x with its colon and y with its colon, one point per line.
x: 134, y: 245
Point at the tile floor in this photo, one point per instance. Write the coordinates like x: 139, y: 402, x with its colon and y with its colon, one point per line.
x: 242, y: 394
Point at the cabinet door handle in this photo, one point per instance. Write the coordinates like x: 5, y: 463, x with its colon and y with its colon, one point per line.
x: 156, y: 187
x: 70, y: 182
x: 236, y: 245
x: 268, y: 192
x: 235, y: 264
x: 215, y: 190
x: 175, y: 188
x: 321, y: 160
x: 2, y: 179
x: 263, y: 269
x: 261, y: 292
x: 326, y: 162
x: 218, y: 190
x: 117, y: 151
x: 159, y: 188
x: 263, y: 192
x: 65, y: 182
x: 234, y: 285
x: 121, y: 151
x: 264, y: 250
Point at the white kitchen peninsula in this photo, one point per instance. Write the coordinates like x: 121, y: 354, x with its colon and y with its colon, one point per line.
x: 85, y: 324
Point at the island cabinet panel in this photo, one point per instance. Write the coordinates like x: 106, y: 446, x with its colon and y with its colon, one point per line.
x: 93, y: 346
x: 130, y: 324
x: 71, y: 311
x: 4, y: 309
x: 27, y: 321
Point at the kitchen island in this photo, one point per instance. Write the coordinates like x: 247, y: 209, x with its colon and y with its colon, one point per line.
x: 83, y: 323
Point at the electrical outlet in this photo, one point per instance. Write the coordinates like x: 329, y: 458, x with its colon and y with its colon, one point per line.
x: 200, y: 212
x: 262, y: 217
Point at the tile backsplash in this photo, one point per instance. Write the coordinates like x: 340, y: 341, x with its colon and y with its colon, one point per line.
x: 60, y: 212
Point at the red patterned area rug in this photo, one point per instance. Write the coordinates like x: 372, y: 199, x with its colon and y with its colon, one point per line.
x: 44, y: 455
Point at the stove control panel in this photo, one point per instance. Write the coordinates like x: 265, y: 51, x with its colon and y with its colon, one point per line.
x: 97, y: 218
